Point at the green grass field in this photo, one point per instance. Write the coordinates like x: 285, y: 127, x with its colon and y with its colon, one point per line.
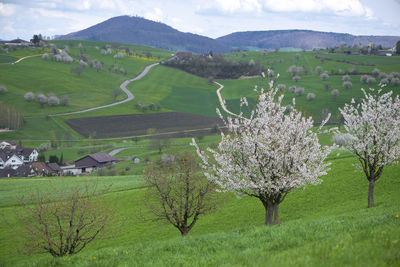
x: 327, y: 224
x: 174, y: 90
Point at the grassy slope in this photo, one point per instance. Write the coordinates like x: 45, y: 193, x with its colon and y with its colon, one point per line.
x: 324, y: 224
x: 90, y: 89
x: 311, y: 82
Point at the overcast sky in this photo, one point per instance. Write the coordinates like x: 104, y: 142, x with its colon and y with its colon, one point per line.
x: 23, y: 18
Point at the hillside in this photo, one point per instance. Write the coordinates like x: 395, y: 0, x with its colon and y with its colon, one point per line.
x: 303, y: 39
x: 140, y: 31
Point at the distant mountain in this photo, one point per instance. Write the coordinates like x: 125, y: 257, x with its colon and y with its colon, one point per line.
x: 140, y: 31
x: 304, y: 39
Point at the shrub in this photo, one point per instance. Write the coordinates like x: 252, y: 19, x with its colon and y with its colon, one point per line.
x: 324, y: 76
x: 341, y: 139
x: 382, y: 75
x: 296, y: 78
x: 371, y: 80
x: 335, y: 93
x: 64, y: 100
x: 29, y: 96
x: 353, y: 70
x: 364, y: 78
x: 299, y: 91
x: 347, y: 84
x: 375, y: 72
x: 310, y: 96
x: 42, y: 99
x: 395, y: 81
x: 53, y: 100
x: 3, y: 89
x: 395, y: 74
x: 43, y: 147
x: 83, y: 64
x: 346, y: 78
x: 281, y: 87
x: 384, y: 81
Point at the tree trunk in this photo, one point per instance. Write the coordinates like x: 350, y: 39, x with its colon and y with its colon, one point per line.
x: 371, y: 193
x: 276, y: 212
x: 269, y: 212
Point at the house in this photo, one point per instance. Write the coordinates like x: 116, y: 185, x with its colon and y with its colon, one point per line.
x: 9, y: 158
x: 46, y: 169
x: 55, y: 168
x: 17, y: 157
x: 93, y: 161
x: 27, y: 154
x: 25, y: 170
x: 8, y: 145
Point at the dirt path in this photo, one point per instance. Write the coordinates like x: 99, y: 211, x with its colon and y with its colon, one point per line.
x: 122, y: 86
x: 221, y: 101
x: 19, y: 60
x: 116, y: 151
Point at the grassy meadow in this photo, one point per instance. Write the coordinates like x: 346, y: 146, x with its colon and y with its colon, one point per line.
x: 327, y: 224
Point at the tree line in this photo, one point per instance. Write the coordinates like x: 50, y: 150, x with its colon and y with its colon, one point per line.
x: 212, y: 66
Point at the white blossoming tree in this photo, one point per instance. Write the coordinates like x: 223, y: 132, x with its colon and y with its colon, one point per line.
x: 374, y: 128
x: 266, y: 155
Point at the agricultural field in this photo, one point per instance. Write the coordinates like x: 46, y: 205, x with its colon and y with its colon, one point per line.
x: 139, y: 124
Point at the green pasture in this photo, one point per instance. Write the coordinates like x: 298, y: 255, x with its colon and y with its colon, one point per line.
x: 327, y: 224
x: 311, y: 82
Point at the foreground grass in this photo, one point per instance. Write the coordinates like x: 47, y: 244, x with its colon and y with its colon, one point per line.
x: 328, y: 222
x: 365, y: 237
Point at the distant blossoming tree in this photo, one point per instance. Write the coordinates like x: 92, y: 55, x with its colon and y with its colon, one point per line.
x: 266, y: 155
x: 374, y: 128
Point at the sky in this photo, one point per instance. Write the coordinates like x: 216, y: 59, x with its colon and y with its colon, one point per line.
x: 23, y: 18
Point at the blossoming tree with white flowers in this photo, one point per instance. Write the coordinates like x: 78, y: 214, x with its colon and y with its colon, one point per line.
x: 266, y: 155
x: 374, y: 130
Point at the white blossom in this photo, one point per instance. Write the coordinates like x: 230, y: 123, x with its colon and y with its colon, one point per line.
x: 374, y: 127
x: 268, y: 154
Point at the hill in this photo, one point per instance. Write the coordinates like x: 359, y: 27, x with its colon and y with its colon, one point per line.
x: 304, y: 39
x: 140, y: 31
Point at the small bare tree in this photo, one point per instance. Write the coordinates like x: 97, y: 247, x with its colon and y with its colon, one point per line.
x: 62, y: 222
x: 178, y: 192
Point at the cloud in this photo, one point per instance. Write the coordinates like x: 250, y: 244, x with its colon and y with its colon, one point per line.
x: 335, y: 7
x: 345, y: 8
x: 230, y: 7
x: 7, y: 9
x: 156, y: 15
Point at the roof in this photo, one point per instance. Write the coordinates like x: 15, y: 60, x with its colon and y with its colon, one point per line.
x: 100, y: 157
x: 10, y: 142
x: 41, y: 166
x: 22, y: 171
x: 54, y: 167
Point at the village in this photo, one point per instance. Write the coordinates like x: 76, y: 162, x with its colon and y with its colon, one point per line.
x: 19, y: 161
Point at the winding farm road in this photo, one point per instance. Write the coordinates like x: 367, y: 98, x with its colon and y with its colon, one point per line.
x: 116, y: 151
x: 221, y: 101
x: 122, y: 86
